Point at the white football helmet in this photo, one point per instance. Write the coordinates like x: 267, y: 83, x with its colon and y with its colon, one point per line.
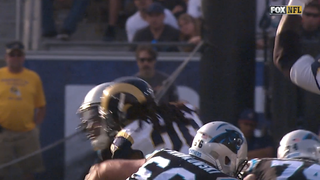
x: 222, y: 145
x: 300, y: 144
x: 98, y: 132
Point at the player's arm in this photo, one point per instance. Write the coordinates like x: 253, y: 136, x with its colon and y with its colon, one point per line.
x: 250, y: 177
x: 287, y: 41
x: 121, y: 147
x: 114, y: 169
x: 302, y: 69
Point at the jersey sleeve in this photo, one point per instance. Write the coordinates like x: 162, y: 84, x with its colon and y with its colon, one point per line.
x: 121, y: 147
x: 133, y: 141
x: 305, y: 73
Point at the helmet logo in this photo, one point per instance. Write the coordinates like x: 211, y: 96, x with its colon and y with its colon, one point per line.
x: 231, y: 138
x: 312, y: 137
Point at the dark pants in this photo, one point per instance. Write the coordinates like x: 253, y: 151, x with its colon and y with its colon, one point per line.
x: 70, y: 23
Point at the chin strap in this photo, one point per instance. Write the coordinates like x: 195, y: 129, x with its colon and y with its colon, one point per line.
x: 238, y: 174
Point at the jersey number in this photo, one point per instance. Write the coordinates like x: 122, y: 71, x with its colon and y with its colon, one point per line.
x: 311, y: 173
x: 158, y: 138
x: 165, y: 175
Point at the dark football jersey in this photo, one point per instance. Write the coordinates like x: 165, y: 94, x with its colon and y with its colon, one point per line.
x: 173, y: 165
x: 283, y: 169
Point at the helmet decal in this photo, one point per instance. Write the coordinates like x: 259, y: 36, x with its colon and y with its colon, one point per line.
x: 224, y: 124
x: 110, y: 91
x: 312, y: 137
x: 231, y: 139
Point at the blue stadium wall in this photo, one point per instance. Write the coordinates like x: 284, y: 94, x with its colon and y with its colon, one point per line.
x: 57, y: 74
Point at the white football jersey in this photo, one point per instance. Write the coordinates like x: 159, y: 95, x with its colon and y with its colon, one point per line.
x: 141, y: 135
x: 305, y: 73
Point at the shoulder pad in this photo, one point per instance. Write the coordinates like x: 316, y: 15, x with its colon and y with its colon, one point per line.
x: 149, y: 156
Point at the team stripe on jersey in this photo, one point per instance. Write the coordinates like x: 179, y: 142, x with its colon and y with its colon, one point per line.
x: 126, y: 136
x: 315, y: 67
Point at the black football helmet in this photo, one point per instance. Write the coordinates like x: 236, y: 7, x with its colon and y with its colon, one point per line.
x: 119, y: 100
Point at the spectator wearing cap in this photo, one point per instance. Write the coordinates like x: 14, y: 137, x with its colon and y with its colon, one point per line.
x: 22, y: 104
x: 138, y: 20
x: 258, y: 147
x: 157, y: 31
x: 146, y: 60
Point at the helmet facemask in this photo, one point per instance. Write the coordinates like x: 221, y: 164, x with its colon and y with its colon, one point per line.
x: 100, y: 135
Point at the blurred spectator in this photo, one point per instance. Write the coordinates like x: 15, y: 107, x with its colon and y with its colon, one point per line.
x: 190, y: 30
x: 177, y: 7
x: 157, y: 31
x: 146, y: 61
x: 114, y: 12
x: 311, y: 22
x: 194, y: 9
x: 70, y: 23
x: 114, y: 8
x: 138, y: 20
x: 22, y: 104
x: 258, y: 147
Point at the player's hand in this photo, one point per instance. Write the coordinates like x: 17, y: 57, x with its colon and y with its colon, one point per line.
x: 250, y: 177
x: 177, y: 9
x: 195, y: 40
x: 94, y: 173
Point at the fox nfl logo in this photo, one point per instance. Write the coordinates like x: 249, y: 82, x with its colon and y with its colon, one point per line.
x: 281, y: 10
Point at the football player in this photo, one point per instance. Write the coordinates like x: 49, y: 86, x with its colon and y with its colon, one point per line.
x: 97, y: 131
x: 141, y: 126
x: 298, y: 159
x: 218, y: 152
x: 302, y: 69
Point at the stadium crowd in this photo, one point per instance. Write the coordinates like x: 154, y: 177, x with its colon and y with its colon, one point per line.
x: 150, y: 21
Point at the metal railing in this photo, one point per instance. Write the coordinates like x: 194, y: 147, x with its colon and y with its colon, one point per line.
x: 31, y: 21
x: 129, y: 44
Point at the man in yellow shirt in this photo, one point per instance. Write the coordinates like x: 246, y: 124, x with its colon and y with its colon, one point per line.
x: 22, y: 109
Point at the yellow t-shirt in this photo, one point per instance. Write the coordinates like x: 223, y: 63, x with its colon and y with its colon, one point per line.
x: 20, y: 95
